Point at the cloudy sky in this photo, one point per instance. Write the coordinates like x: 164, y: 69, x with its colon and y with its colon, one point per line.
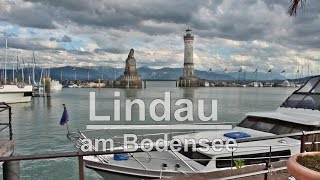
x: 228, y: 33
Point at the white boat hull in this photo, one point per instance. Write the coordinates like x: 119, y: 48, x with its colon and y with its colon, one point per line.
x: 55, y: 86
x: 109, y: 171
x: 14, y: 94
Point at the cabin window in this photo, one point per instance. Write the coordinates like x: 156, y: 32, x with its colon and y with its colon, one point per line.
x: 264, y: 126
x: 316, y: 89
x: 273, y: 126
x: 310, y: 101
x: 307, y: 97
x: 293, y: 100
x: 223, y: 162
x: 282, y: 128
x: 27, y: 94
x: 309, y: 85
x: 196, y: 156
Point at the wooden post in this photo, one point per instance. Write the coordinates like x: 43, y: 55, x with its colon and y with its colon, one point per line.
x: 302, y: 143
x: 232, y: 159
x: 11, y: 170
x: 81, y: 172
x: 10, y: 125
x: 48, y: 86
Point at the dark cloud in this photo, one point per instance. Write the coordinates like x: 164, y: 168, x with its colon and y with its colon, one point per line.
x: 36, y: 16
x: 245, y: 21
x: 110, y: 50
x: 109, y: 27
x: 28, y: 44
x: 65, y: 38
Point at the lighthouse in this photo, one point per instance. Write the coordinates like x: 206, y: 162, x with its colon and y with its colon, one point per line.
x: 188, y: 78
x: 188, y: 70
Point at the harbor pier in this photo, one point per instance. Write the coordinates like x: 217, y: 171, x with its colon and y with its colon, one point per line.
x: 10, y: 169
x: 130, y: 78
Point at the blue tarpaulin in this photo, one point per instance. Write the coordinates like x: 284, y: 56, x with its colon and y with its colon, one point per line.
x: 236, y: 135
x: 121, y: 157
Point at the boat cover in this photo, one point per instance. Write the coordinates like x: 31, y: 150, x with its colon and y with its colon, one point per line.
x: 236, y: 135
x: 121, y: 157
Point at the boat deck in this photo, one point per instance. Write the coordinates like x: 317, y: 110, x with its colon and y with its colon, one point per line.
x: 153, y: 161
x: 276, y: 175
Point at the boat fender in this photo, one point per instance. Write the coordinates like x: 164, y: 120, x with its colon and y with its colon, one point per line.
x: 20, y: 85
x: 121, y: 157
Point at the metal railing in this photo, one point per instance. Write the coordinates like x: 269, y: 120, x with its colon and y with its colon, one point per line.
x: 80, y: 154
x: 5, y: 107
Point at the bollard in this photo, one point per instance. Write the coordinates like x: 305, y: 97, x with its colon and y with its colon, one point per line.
x: 145, y: 84
x: 48, y: 86
x: 11, y: 170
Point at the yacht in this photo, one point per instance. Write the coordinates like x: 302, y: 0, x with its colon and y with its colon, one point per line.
x: 15, y: 92
x: 300, y: 112
x: 18, y: 93
x: 55, y: 85
x: 257, y: 84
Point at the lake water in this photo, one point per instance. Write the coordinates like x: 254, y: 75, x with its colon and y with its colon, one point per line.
x: 36, y: 125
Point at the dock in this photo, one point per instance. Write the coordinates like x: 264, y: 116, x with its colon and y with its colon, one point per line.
x: 6, y: 145
x: 11, y: 169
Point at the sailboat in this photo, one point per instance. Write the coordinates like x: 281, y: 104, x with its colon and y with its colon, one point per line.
x: 14, y: 92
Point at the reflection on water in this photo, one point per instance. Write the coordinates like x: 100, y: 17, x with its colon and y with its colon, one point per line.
x: 36, y: 125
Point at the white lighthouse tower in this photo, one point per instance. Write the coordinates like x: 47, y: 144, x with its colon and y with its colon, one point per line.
x: 188, y: 78
x: 188, y: 70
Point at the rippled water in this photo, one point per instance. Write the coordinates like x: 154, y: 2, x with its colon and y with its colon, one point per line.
x: 36, y: 125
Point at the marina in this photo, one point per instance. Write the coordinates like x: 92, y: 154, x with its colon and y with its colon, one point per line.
x: 44, y: 112
x: 134, y: 90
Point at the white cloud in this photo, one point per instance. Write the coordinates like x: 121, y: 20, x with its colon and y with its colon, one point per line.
x: 228, y: 34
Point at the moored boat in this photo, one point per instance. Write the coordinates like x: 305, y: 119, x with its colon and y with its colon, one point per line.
x: 15, y: 93
x: 55, y: 85
x: 300, y: 112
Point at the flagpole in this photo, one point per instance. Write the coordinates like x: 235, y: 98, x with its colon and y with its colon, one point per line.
x: 68, y: 128
x: 64, y: 119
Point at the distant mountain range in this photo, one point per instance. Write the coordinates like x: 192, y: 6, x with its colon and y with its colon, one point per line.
x: 110, y: 73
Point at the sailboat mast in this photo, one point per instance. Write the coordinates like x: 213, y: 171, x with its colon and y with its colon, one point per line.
x: 33, y: 67
x: 22, y: 71
x: 61, y: 75
x: 5, y: 63
x: 88, y: 74
x: 13, y: 72
x: 17, y: 69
